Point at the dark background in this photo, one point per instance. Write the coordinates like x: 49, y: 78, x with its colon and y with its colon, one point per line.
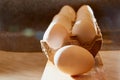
x: 19, y: 17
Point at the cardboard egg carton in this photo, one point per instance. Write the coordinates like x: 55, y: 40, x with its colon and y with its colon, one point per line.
x: 96, y: 73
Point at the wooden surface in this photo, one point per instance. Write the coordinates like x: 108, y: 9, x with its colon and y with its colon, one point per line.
x: 111, y: 61
x: 109, y: 70
x: 30, y: 66
x: 21, y: 66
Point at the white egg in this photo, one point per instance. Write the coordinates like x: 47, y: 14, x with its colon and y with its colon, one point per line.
x: 73, y: 60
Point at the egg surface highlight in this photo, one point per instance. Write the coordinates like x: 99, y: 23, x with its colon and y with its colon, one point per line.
x: 73, y: 60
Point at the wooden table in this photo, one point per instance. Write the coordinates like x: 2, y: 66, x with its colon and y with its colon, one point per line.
x: 21, y: 66
x: 111, y: 61
x: 30, y: 66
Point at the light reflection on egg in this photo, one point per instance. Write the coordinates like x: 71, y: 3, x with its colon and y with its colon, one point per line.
x: 55, y: 36
x: 85, y: 26
x: 73, y: 60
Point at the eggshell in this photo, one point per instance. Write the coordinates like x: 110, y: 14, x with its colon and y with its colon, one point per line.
x: 55, y: 36
x: 69, y: 12
x: 63, y: 20
x: 86, y: 10
x: 65, y: 17
x: 73, y: 60
x: 60, y: 28
x: 85, y: 28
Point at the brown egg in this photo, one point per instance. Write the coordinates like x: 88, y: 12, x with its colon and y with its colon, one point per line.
x: 65, y: 17
x: 69, y: 12
x: 73, y: 60
x: 55, y: 36
x: 85, y: 10
x: 85, y: 25
x: 63, y: 20
x: 59, y: 29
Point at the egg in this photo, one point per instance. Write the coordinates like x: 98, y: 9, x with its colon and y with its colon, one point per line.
x: 63, y: 20
x: 85, y: 25
x: 69, y: 12
x: 55, y: 36
x: 65, y: 17
x: 85, y: 10
x: 60, y: 27
x: 73, y: 60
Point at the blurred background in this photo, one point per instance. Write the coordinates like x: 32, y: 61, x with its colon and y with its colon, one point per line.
x: 23, y: 22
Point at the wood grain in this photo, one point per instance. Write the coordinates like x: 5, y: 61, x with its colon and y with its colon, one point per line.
x: 21, y: 66
x: 111, y: 61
